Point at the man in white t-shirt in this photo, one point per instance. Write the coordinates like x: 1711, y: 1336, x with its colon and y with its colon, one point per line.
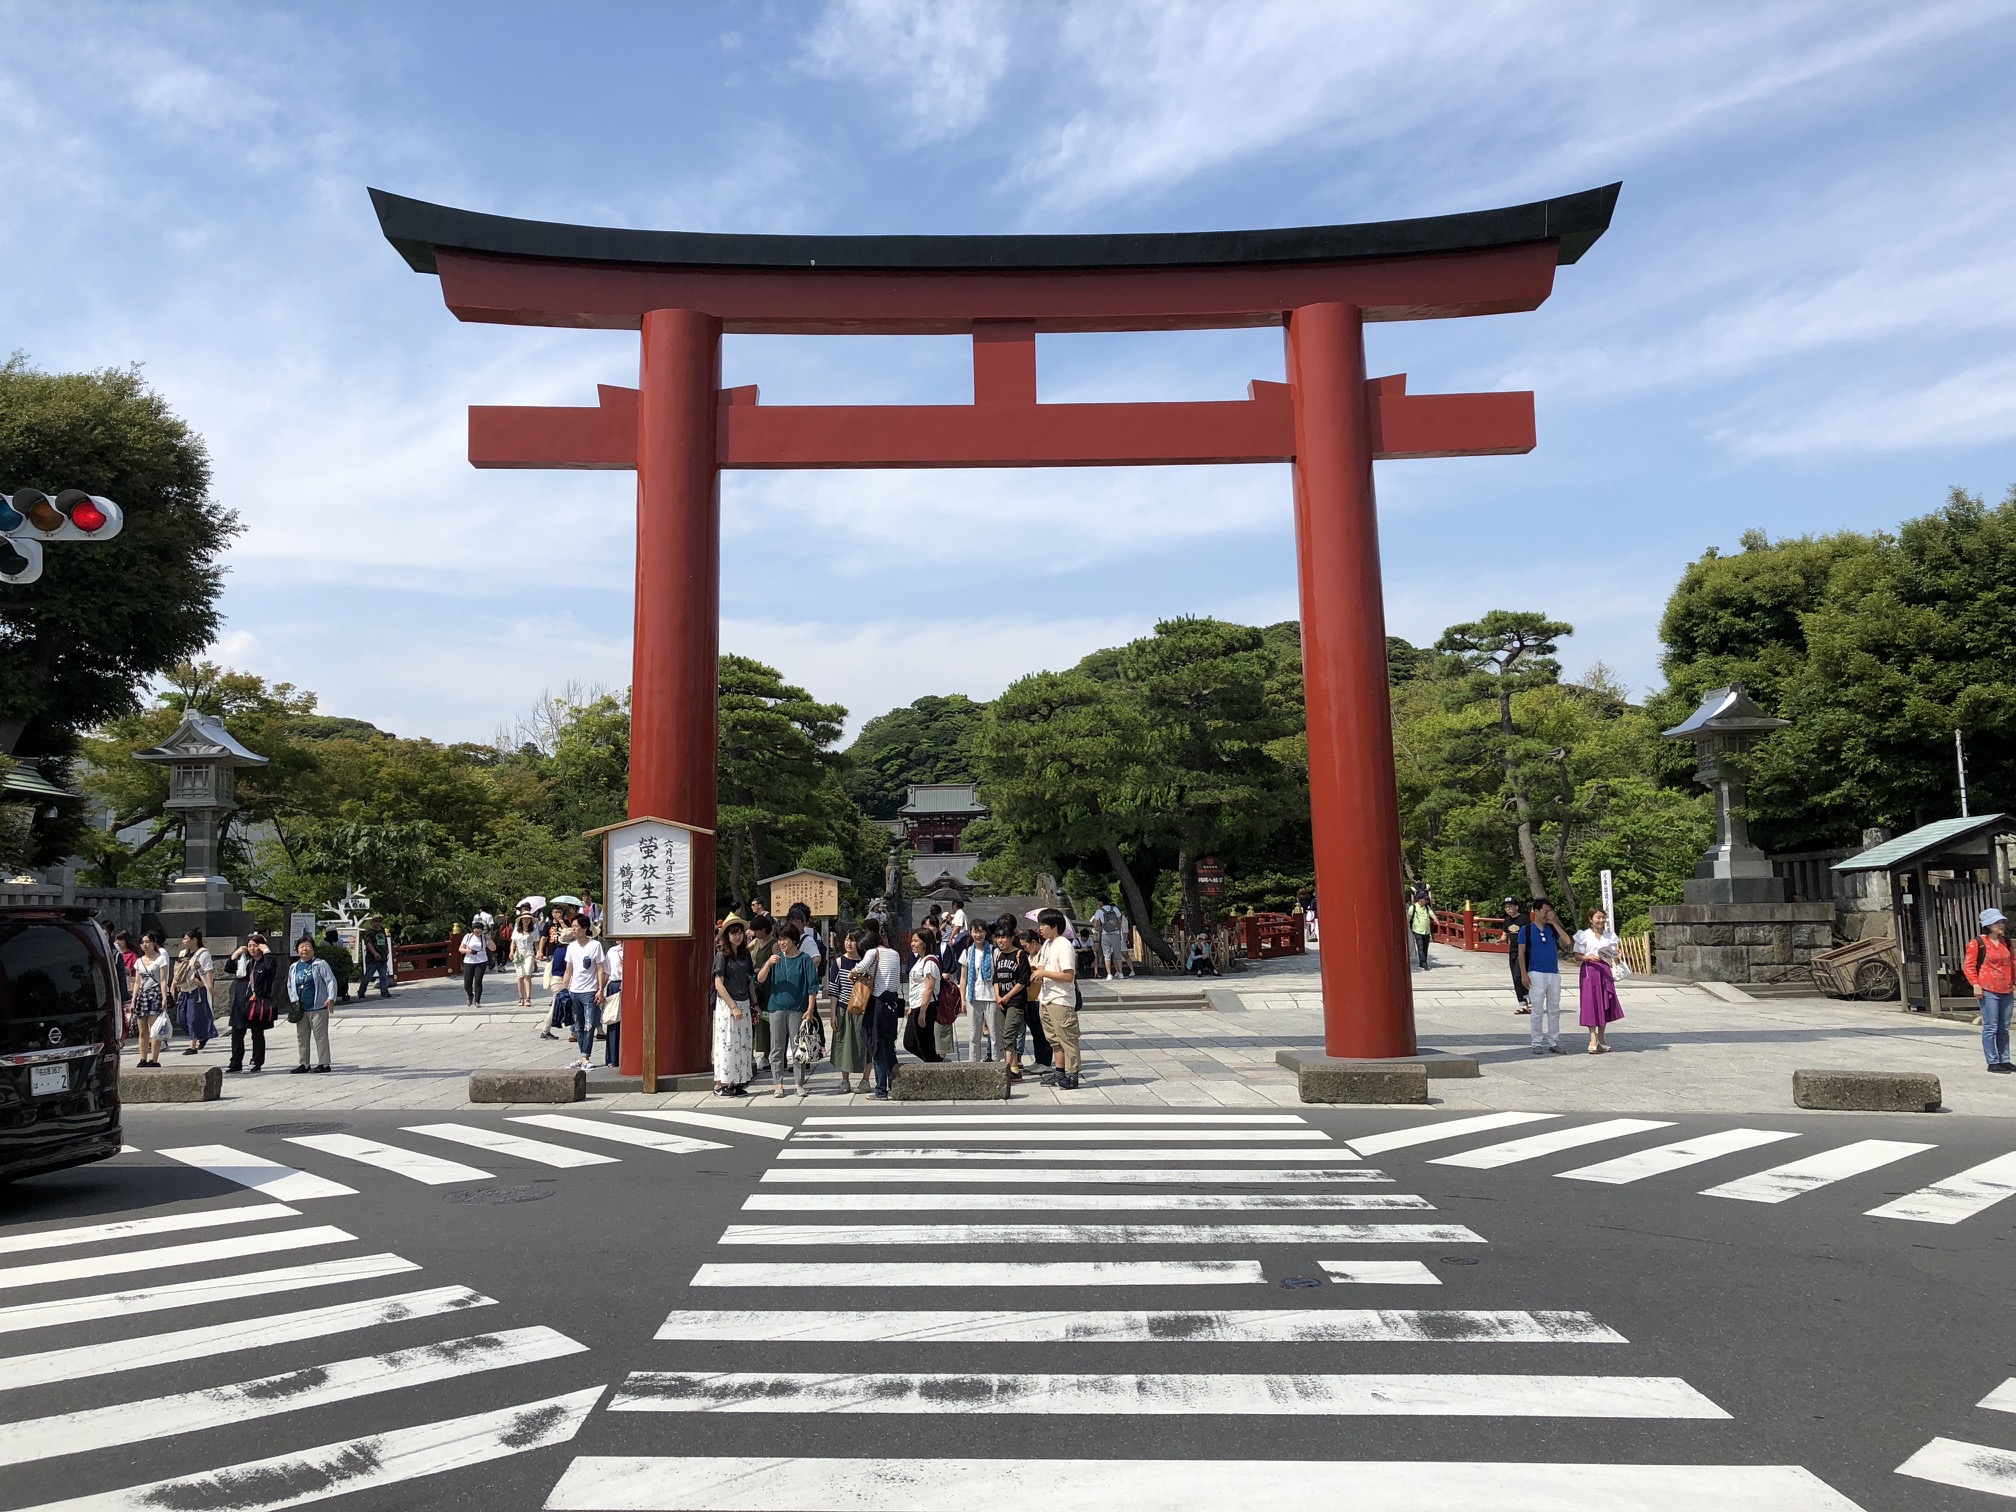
x: 587, y: 978
x: 1056, y: 976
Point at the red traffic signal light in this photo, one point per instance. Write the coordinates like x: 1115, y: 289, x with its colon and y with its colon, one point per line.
x: 73, y: 515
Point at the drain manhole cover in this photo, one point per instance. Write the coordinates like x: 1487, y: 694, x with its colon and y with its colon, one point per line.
x: 291, y: 1130
x: 500, y: 1196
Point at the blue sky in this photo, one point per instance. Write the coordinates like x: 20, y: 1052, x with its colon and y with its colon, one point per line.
x: 1801, y: 319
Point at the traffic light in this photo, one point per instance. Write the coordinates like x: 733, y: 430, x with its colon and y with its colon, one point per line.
x: 28, y: 517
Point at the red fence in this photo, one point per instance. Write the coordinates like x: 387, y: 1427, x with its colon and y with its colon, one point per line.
x: 436, y: 958
x: 1266, y: 936
x: 1470, y: 930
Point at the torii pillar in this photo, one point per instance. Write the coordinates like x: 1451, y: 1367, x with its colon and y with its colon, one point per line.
x: 678, y: 428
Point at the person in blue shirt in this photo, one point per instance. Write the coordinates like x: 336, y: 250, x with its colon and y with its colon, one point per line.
x: 1540, y: 942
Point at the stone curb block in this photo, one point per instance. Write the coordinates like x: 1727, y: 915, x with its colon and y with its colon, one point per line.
x: 172, y: 1084
x: 950, y: 1081
x: 1363, y: 1082
x: 537, y: 1084
x: 1436, y: 1063
x: 1867, y: 1091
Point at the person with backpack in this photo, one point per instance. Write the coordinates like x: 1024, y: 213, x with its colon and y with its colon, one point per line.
x: 1421, y: 924
x: 882, y: 969
x: 1989, y: 971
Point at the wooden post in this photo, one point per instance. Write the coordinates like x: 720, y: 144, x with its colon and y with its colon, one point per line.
x: 647, y: 1018
x: 1469, y: 927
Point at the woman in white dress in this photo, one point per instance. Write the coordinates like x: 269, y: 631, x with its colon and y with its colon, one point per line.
x: 734, y: 1012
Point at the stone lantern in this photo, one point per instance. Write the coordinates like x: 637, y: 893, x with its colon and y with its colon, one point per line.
x: 1736, y: 925
x: 202, y: 760
x: 1726, y: 725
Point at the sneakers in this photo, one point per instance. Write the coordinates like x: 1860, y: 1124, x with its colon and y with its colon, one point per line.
x: 1068, y: 1082
x: 2002, y: 1066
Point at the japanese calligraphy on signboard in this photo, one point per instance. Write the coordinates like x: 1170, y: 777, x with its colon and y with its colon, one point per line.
x: 647, y: 879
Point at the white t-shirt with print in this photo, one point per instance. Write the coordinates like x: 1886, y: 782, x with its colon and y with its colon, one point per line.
x: 582, y: 959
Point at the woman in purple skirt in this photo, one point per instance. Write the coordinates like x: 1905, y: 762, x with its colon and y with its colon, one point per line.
x: 1597, y: 948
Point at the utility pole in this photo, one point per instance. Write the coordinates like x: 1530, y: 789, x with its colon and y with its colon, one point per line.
x: 1960, y: 758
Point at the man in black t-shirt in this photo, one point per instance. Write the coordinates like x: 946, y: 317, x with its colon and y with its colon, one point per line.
x: 1514, y: 917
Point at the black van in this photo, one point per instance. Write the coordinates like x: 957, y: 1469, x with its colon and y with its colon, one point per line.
x: 61, y: 1026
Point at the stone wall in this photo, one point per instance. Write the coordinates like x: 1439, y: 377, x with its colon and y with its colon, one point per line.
x: 1740, y: 942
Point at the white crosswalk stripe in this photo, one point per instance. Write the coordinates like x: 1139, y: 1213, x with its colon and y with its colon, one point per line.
x: 954, y: 1138
x: 905, y: 1120
x: 1380, y: 1272
x: 590, y: 1128
x: 994, y: 1273
x: 81, y: 1361
x: 1533, y: 1146
x: 139, y: 1228
x: 414, y: 1165
x: 1259, y: 1326
x: 79, y: 1268
x: 1116, y: 1176
x: 1453, y: 1128
x: 1117, y: 1202
x: 1096, y: 1233
x: 330, y: 1470
x: 191, y: 1291
x: 901, y: 1483
x: 281, y: 1183
x: 757, y: 1126
x: 1782, y: 1183
x: 1970, y: 1467
x: 1673, y: 1157
x: 1958, y: 1197
x: 539, y: 1151
x: 1393, y: 1395
x: 294, y: 1391
x: 1037, y: 1153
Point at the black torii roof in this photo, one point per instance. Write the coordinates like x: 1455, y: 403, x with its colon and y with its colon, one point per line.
x: 418, y: 229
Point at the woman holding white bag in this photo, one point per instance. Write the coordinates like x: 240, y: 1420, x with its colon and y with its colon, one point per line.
x: 152, y: 970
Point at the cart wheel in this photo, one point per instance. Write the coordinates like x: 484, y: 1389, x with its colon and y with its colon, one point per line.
x: 1875, y: 981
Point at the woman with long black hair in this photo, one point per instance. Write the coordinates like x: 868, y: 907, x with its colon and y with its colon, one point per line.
x: 882, y: 968
x: 734, y: 1011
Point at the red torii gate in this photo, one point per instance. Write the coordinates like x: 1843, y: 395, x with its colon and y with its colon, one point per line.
x: 678, y: 428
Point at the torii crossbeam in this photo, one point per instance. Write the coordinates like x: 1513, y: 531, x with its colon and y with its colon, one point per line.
x: 679, y: 428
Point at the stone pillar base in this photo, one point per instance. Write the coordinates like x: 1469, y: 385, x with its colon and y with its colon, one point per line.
x: 1741, y: 942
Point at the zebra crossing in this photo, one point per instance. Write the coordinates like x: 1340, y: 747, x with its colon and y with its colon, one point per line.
x: 894, y: 1231
x: 1009, y: 1150
x: 254, y: 1354
x: 1966, y: 1465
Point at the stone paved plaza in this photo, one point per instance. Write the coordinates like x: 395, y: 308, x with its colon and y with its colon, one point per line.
x: 1680, y: 1047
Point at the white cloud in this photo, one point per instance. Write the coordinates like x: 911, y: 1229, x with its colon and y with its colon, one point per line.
x: 934, y: 62
x: 1975, y: 407
x: 1161, y: 93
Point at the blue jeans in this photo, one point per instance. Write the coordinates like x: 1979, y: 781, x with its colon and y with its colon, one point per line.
x: 1995, y: 1008
x: 883, y: 1025
x: 375, y: 971
x: 586, y: 1015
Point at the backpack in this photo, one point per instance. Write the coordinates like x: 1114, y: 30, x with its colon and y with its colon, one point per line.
x: 949, y: 1003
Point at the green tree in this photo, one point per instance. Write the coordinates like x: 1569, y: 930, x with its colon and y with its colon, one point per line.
x: 105, y: 617
x: 1877, y: 648
x: 927, y: 741
x: 1209, y: 776
x: 1062, y: 759
x: 778, y: 771
x: 1489, y: 661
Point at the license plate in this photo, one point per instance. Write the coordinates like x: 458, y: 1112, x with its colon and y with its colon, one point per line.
x: 48, y: 1081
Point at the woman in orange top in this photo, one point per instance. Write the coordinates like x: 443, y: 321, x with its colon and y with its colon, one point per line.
x: 1992, y: 973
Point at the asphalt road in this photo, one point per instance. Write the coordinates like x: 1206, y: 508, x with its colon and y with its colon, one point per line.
x: 1535, y: 1343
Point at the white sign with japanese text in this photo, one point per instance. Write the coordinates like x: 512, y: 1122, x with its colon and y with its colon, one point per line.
x: 647, y: 883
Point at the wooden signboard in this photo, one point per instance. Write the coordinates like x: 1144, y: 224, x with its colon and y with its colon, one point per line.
x: 647, y: 892
x: 818, y: 891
